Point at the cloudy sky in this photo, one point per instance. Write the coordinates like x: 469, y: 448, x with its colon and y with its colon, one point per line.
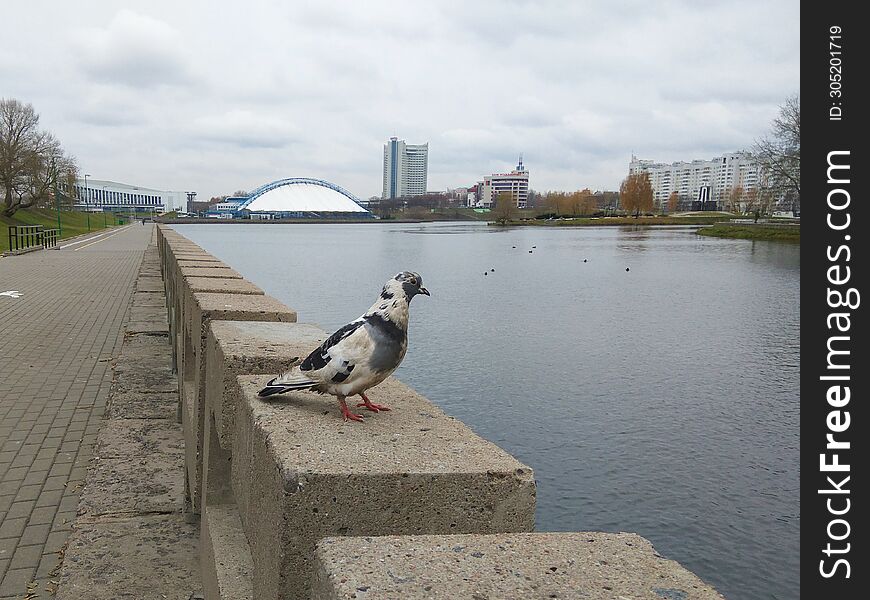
x: 218, y: 96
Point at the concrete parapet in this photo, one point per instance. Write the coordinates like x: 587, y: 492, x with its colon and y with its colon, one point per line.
x: 300, y: 474
x: 245, y: 348
x: 202, y: 309
x: 196, y: 284
x: 593, y: 565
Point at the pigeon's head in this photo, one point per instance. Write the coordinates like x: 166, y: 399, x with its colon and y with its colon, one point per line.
x: 408, y: 283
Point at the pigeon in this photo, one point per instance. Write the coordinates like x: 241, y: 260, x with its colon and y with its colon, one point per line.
x: 361, y: 354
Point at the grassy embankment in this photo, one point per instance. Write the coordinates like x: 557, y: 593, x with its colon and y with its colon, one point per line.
x: 748, y: 231
x: 73, y: 223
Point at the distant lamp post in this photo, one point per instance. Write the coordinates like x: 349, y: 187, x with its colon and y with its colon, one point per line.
x: 56, y: 201
x: 87, y: 201
x: 103, y: 206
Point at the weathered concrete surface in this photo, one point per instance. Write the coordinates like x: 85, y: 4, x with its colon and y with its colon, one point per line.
x: 134, y: 404
x: 201, y: 310
x: 148, y: 313
x: 139, y: 558
x: 190, y: 263
x: 149, y: 284
x: 221, y: 286
x: 134, y: 485
x: 127, y: 438
x: 216, y: 272
x: 226, y: 558
x: 589, y: 565
x: 151, y: 327
x: 130, y: 539
x: 248, y: 347
x: 233, y: 348
x: 145, y: 299
x: 299, y: 474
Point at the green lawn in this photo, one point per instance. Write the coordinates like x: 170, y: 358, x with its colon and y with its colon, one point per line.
x: 72, y: 223
x: 775, y: 233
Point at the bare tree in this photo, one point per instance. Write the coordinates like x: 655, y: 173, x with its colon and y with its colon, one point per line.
x: 31, y: 160
x: 779, y: 153
x: 673, y: 202
x: 635, y: 194
x: 734, y: 199
x: 759, y: 201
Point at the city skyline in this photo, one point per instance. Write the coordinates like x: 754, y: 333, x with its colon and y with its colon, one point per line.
x: 159, y: 94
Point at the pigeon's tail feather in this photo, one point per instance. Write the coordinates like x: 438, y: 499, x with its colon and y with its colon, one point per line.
x: 279, y: 385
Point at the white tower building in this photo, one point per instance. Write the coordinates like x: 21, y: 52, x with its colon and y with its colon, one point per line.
x: 406, y: 168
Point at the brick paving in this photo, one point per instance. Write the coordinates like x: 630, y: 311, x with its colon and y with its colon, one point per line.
x: 57, y: 342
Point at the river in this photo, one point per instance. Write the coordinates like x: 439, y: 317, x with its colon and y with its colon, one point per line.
x: 648, y: 375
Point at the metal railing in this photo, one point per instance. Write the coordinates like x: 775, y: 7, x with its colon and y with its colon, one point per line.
x: 49, y: 238
x: 29, y: 237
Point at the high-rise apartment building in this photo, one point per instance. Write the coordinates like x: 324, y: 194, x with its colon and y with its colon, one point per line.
x: 721, y: 174
x: 405, y: 168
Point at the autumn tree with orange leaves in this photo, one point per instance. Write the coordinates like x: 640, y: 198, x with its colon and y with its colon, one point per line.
x: 636, y: 194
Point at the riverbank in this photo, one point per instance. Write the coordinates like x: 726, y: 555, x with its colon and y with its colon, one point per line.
x: 773, y: 232
x: 619, y: 221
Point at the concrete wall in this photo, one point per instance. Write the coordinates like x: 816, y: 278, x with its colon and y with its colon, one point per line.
x: 270, y: 480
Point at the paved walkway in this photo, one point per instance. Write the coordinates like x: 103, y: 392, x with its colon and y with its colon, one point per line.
x: 56, y: 344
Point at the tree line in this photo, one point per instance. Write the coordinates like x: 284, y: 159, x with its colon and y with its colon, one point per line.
x: 32, y: 160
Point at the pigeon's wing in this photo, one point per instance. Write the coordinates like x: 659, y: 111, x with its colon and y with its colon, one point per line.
x: 335, y: 360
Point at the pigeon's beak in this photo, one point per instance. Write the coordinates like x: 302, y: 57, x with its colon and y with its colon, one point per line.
x: 425, y: 291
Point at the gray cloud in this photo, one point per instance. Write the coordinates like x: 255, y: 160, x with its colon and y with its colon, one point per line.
x: 184, y: 96
x: 134, y: 50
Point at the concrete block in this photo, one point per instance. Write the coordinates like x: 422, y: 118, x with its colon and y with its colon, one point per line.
x: 300, y: 474
x: 138, y: 438
x: 221, y: 285
x: 134, y: 404
x: 148, y: 300
x: 202, y: 309
x: 244, y: 348
x: 123, y: 558
x: 216, y: 272
x: 137, y: 484
x: 149, y: 284
x: 189, y: 261
x: 589, y: 565
x: 191, y: 285
x: 227, y: 570
x: 131, y: 374
x: 148, y: 313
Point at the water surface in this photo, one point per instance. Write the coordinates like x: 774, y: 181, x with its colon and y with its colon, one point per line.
x: 662, y: 400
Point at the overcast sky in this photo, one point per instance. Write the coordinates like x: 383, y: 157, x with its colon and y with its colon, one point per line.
x: 218, y: 96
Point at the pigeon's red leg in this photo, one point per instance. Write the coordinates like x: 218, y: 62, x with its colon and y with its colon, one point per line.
x: 371, y: 406
x: 345, y: 411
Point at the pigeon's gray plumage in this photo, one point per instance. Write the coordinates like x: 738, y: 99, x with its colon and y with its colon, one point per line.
x: 361, y: 354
